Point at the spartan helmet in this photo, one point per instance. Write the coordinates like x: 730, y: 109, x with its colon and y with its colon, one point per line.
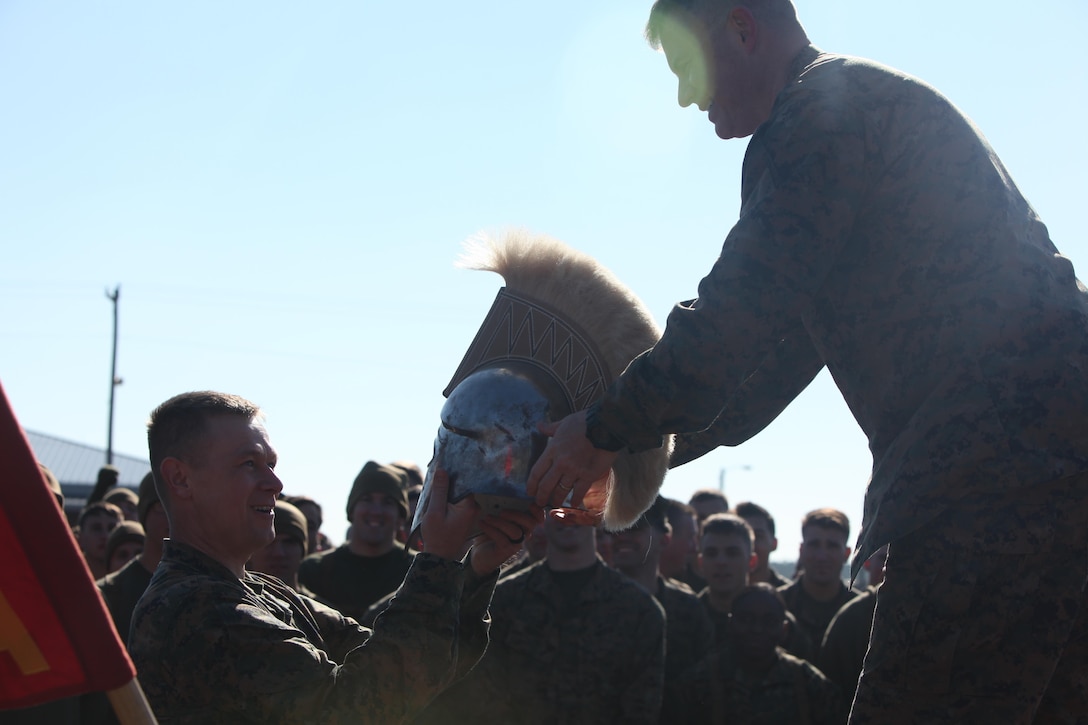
x: 549, y: 346
x: 488, y: 440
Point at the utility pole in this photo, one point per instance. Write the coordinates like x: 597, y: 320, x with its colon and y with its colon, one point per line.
x: 114, y: 380
x: 721, y: 475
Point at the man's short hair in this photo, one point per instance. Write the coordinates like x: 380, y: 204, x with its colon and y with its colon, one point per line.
x: 674, y: 508
x: 729, y: 525
x: 827, y: 518
x: 176, y: 426
x: 709, y: 494
x: 771, y: 12
x: 747, y: 510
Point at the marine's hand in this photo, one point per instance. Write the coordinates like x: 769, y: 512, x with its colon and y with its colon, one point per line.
x: 445, y: 527
x: 502, y: 536
x: 570, y: 463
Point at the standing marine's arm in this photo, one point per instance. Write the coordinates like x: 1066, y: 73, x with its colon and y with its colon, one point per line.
x: 475, y: 621
x: 786, y: 372
x: 804, y: 183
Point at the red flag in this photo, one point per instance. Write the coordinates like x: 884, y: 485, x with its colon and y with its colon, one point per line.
x: 56, y: 637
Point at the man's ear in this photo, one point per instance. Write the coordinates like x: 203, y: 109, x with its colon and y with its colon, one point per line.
x: 175, y: 474
x: 743, y: 26
x: 774, y: 544
x: 848, y: 552
x: 753, y: 560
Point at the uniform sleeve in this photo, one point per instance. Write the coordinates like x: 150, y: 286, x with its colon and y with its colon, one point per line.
x: 786, y: 372
x: 341, y: 634
x: 412, y: 655
x: 483, y: 695
x: 804, y: 181
x: 475, y: 619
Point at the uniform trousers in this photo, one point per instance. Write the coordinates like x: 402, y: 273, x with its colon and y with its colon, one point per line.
x: 982, y: 615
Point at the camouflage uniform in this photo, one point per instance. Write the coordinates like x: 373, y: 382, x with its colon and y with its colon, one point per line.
x: 121, y: 590
x: 880, y: 235
x: 846, y: 641
x: 350, y: 582
x: 813, y: 616
x: 211, y: 648
x: 689, y: 635
x: 982, y: 618
x: 693, y: 579
x: 792, y: 692
x: 596, y: 659
x: 796, y: 640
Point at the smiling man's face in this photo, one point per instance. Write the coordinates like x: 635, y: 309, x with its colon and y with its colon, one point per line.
x: 375, y: 519
x: 232, y: 489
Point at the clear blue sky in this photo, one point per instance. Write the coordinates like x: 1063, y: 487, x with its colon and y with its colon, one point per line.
x: 281, y: 190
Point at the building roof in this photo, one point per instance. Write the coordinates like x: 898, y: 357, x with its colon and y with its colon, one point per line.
x: 76, y: 467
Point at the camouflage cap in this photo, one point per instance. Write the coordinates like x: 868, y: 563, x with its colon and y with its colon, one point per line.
x: 53, y: 483
x: 119, y: 494
x: 291, y: 522
x: 123, y: 533
x: 376, y: 478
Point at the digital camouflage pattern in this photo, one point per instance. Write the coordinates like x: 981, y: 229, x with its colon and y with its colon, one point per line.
x: 689, y: 634
x: 211, y: 648
x: 846, y: 642
x: 121, y: 590
x: 981, y: 618
x: 792, y: 692
x: 879, y: 235
x: 596, y: 660
x: 811, y: 616
x: 796, y: 640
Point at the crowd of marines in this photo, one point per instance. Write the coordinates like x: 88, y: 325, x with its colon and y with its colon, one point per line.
x: 679, y: 618
x: 879, y: 237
